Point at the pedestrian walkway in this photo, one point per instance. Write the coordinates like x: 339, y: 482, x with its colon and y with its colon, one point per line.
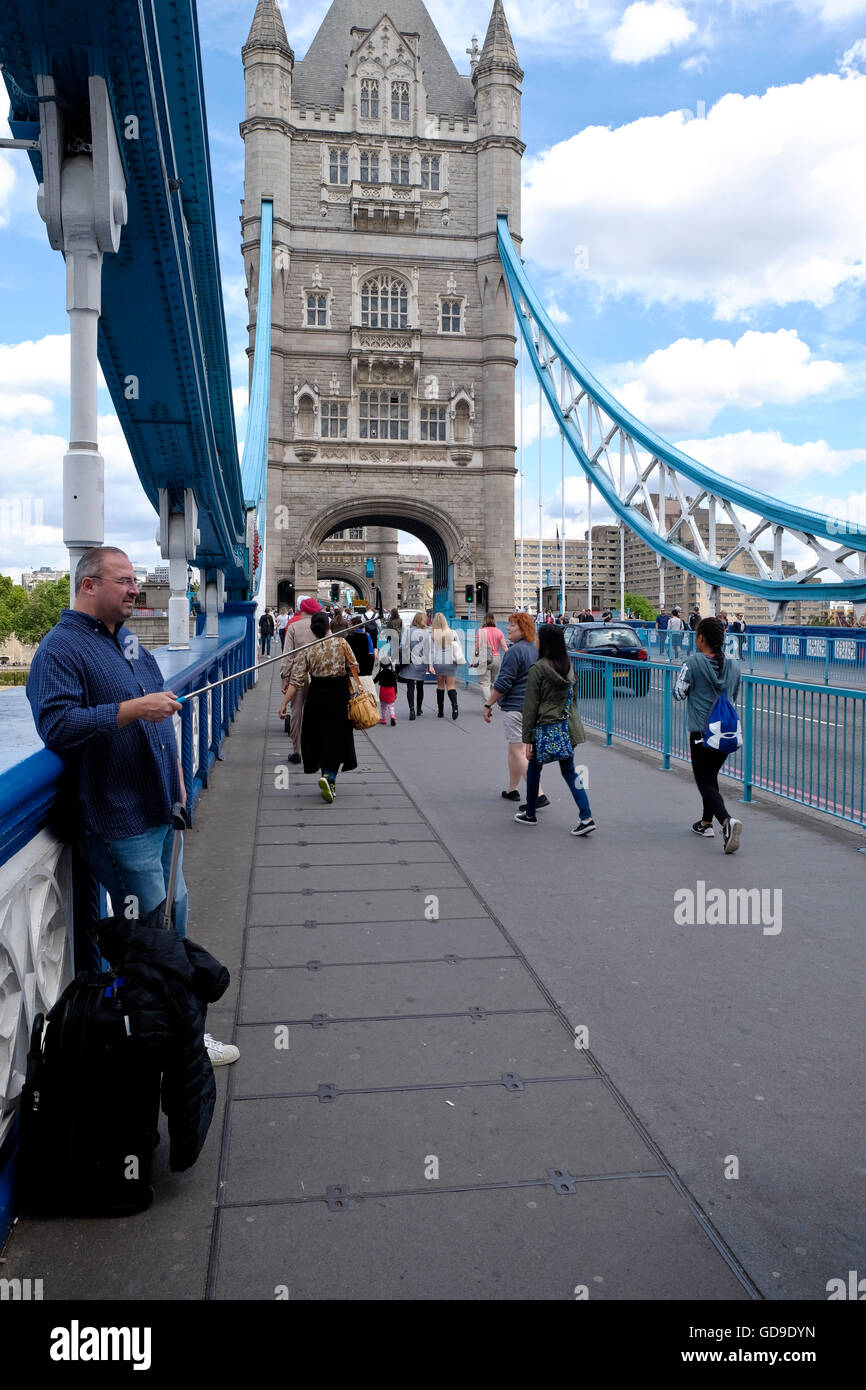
x: 411, y: 1118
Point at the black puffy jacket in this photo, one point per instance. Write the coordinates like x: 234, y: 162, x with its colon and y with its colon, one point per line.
x: 168, y: 983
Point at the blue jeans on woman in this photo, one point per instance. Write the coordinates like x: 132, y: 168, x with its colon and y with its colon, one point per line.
x: 137, y: 867
x: 566, y: 767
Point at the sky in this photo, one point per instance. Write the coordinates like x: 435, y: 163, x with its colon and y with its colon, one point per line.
x: 693, y: 217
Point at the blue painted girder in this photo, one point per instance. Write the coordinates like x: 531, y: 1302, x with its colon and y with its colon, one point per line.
x: 162, y: 311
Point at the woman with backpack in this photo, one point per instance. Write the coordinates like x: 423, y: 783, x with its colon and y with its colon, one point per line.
x: 706, y: 677
x: 551, y: 726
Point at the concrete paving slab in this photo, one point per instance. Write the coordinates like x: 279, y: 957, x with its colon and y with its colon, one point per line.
x: 375, y: 798
x: 396, y: 833
x: 274, y: 909
x: 628, y: 1238
x: 406, y: 1052
x: 341, y: 944
x: 376, y: 991
x: 285, y: 856
x: 324, y: 817
x: 353, y: 878
x: 478, y: 1135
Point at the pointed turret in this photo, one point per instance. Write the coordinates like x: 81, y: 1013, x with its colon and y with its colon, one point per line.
x: 268, y: 31
x: 498, y: 51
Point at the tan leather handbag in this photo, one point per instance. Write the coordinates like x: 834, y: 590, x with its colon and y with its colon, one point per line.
x: 363, y: 710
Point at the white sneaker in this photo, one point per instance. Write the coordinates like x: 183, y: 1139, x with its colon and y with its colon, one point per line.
x: 220, y: 1053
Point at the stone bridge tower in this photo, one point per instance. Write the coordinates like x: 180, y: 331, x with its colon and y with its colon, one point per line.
x: 392, y: 374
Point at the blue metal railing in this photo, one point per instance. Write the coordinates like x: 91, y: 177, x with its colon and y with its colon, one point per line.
x: 806, y: 743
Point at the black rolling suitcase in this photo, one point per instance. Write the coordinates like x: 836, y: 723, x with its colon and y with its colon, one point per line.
x: 90, y: 1104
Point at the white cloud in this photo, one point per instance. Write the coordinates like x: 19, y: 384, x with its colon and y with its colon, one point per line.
x: 558, y: 315
x: 684, y: 386
x: 760, y: 203
x: 853, y: 60
x: 43, y: 364
x: 130, y: 520
x: 17, y: 407
x: 647, y: 30
x: 766, y: 461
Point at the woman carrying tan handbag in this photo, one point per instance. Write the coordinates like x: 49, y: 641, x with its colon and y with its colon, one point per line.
x: 327, y: 742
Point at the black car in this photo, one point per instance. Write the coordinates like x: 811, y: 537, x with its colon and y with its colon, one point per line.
x: 612, y: 640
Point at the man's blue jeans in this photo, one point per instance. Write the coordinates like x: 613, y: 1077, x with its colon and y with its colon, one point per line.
x: 137, y: 867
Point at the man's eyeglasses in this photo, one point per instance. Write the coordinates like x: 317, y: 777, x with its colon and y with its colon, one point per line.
x: 126, y: 580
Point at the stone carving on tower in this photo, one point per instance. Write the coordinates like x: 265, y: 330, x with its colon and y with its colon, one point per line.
x: 392, y: 382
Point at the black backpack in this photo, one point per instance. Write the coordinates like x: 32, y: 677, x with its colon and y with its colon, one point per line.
x: 89, y: 1106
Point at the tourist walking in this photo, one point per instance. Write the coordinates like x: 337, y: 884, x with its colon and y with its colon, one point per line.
x: 364, y: 648
x: 446, y: 655
x: 662, y: 628
x: 267, y: 628
x: 509, y: 690
x: 552, y: 727
x: 416, y: 658
x: 299, y: 633
x: 392, y: 633
x: 705, y: 676
x: 676, y: 628
x: 327, y: 741
x: 282, y: 624
x: 738, y: 628
x: 386, y: 679
x: 490, y: 647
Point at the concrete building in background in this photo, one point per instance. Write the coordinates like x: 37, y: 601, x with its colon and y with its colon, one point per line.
x: 392, y: 369
x: 642, y: 572
x: 44, y: 575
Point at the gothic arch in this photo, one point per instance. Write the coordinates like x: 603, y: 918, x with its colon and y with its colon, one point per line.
x: 441, y: 535
x: 328, y: 572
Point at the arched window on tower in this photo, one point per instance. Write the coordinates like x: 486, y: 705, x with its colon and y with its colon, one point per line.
x: 399, y: 101
x: 384, y: 302
x: 369, y: 97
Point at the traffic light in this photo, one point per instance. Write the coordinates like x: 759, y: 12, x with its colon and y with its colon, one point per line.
x: 470, y: 593
x: 335, y: 592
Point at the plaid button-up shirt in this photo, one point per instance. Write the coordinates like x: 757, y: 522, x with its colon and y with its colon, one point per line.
x: 127, y: 779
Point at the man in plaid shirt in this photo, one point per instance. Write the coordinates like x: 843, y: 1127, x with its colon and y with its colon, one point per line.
x: 98, y: 700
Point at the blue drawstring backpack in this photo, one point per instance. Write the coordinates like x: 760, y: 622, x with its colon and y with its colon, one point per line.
x: 723, y: 731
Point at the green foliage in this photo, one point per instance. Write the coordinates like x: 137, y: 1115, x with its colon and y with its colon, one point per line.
x: 30, y: 616
x: 640, y: 606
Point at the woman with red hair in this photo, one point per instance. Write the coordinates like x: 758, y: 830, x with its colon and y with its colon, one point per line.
x: 509, y: 690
